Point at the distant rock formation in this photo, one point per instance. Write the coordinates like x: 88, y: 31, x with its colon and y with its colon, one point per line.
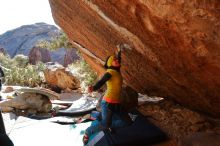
x: 58, y: 55
x: 23, y: 40
x: 70, y: 56
x: 2, y: 50
x: 39, y: 54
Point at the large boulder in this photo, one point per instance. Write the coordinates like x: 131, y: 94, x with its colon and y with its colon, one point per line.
x: 59, y: 77
x: 174, y: 45
x: 129, y: 98
x: 201, y: 139
x: 30, y: 102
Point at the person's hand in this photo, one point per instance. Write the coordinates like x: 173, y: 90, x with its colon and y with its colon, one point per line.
x: 118, y: 48
x: 90, y: 89
x: 122, y: 47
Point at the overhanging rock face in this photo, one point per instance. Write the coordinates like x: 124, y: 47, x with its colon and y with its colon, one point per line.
x: 175, y: 45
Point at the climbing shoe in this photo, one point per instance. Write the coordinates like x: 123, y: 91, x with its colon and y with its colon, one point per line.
x: 85, y: 139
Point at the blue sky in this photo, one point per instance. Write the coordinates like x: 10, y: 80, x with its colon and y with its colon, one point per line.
x: 15, y: 13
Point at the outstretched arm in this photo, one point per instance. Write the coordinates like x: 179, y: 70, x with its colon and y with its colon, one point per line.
x: 100, y: 83
x: 118, y: 53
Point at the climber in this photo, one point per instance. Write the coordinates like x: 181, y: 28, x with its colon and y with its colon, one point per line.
x: 2, y: 75
x: 4, y: 139
x: 110, y: 104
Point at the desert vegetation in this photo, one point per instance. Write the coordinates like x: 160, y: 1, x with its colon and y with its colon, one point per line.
x: 18, y: 70
x: 59, y: 41
x: 80, y: 68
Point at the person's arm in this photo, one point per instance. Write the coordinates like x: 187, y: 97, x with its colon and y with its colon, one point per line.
x: 119, y: 56
x: 118, y: 53
x: 101, y: 82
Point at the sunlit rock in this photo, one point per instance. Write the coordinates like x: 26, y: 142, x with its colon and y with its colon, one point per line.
x: 174, y: 45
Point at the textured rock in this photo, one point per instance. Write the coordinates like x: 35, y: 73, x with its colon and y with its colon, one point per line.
x: 174, y: 119
x: 58, y: 77
x: 175, y: 45
x: 31, y: 102
x: 22, y: 39
x: 2, y: 50
x: 70, y: 57
x: 129, y: 98
x: 39, y: 54
x: 58, y: 55
x: 201, y: 139
x: 184, y: 127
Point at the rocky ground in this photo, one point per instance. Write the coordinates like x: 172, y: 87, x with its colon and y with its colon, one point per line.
x: 183, y: 126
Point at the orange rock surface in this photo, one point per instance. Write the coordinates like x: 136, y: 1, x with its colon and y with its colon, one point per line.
x: 175, y: 45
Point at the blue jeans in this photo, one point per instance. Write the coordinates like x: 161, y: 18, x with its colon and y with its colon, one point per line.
x: 111, y: 117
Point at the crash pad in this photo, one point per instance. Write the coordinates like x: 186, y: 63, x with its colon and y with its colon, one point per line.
x: 29, y: 132
x: 82, y: 105
x: 141, y: 132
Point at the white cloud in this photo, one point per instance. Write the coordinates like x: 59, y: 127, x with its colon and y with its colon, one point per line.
x: 15, y: 13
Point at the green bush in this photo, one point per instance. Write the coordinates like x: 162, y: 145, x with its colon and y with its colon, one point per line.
x: 60, y: 41
x: 6, y: 61
x: 80, y: 69
x: 19, y: 72
x: 21, y: 60
x: 83, y: 72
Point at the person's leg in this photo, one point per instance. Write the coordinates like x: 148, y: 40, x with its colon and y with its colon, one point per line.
x: 118, y: 121
x: 97, y: 126
x: 106, y: 114
x: 105, y: 120
x: 119, y: 118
